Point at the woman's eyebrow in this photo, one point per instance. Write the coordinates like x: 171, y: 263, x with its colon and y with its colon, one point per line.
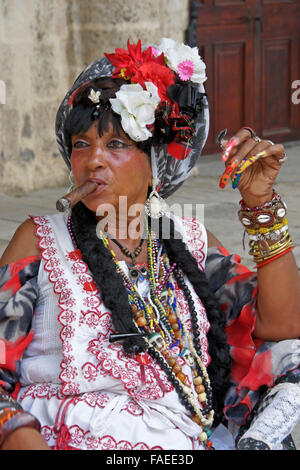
x: 80, y: 135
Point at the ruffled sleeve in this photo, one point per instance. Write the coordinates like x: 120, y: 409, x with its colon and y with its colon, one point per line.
x: 256, y: 364
x: 18, y: 296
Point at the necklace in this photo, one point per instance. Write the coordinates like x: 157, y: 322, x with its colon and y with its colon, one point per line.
x: 159, y: 319
x: 164, y: 328
x: 127, y: 252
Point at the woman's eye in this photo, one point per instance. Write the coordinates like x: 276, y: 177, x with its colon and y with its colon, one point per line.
x: 80, y: 144
x: 117, y: 144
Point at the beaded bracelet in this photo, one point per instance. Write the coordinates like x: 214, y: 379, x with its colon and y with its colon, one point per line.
x: 267, y: 205
x: 264, y: 217
x: 269, y: 235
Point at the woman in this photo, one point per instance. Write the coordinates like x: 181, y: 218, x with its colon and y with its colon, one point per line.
x: 120, y: 337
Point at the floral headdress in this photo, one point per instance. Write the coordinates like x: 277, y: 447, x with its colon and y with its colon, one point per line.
x: 164, y: 100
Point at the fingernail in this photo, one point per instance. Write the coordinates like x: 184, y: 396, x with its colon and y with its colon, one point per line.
x: 260, y: 154
x: 228, y: 148
x: 224, y: 180
x: 247, y: 162
x: 236, y: 180
x: 232, y: 165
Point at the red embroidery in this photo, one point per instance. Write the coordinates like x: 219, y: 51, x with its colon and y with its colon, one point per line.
x: 78, y: 438
x: 75, y: 255
x: 104, y: 357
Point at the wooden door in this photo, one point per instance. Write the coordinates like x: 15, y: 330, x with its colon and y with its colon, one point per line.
x: 252, y: 53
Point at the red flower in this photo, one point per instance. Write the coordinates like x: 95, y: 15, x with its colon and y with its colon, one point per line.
x: 141, y: 66
x: 160, y: 75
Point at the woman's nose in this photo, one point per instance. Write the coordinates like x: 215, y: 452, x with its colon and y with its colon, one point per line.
x: 97, y: 156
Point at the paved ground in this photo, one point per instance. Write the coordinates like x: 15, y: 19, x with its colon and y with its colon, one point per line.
x: 220, y: 207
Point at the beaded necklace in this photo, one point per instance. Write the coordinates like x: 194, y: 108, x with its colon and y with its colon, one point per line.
x: 164, y: 327
x: 159, y: 318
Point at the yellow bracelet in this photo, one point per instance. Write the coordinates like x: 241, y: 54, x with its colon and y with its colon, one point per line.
x: 264, y: 230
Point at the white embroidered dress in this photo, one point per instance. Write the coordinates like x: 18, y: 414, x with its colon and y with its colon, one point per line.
x: 85, y: 391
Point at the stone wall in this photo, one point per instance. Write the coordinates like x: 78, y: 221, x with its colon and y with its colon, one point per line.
x: 44, y: 45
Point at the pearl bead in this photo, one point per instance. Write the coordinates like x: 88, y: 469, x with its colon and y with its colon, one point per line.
x: 202, y: 396
x: 203, y: 436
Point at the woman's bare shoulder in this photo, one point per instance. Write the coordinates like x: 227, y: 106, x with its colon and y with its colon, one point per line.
x: 23, y: 243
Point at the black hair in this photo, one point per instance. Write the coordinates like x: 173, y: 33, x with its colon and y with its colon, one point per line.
x: 109, y: 281
x: 82, y: 114
x: 115, y: 297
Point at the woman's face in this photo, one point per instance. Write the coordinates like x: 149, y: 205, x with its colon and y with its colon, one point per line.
x: 116, y: 164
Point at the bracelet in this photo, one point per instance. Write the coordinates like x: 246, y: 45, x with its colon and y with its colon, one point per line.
x: 17, y: 419
x: 275, y: 257
x: 264, y: 248
x: 259, y: 259
x: 267, y: 205
x: 266, y: 218
x: 271, y: 235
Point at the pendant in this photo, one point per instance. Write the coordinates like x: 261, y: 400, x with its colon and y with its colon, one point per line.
x: 155, y: 206
x: 137, y: 274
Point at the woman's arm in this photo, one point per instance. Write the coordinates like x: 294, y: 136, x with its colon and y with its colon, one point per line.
x: 278, y: 281
x: 24, y: 243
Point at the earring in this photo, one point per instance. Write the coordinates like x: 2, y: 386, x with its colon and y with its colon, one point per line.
x: 155, y: 206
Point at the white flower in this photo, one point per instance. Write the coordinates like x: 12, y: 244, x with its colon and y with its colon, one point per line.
x: 136, y: 107
x: 184, y: 60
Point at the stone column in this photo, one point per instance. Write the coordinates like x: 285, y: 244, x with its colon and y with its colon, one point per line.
x: 44, y: 45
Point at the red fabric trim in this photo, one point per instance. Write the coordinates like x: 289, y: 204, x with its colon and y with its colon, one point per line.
x: 15, y: 393
x: 178, y: 151
x: 13, y: 284
x: 17, y: 266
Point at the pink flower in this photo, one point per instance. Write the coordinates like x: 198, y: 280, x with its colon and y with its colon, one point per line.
x: 185, y: 70
x: 155, y: 52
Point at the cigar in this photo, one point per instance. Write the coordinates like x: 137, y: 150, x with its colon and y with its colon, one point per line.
x: 71, y: 199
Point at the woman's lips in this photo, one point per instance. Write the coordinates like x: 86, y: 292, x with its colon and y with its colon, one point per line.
x: 101, y: 184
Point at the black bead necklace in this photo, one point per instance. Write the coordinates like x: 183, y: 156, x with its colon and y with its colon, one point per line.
x: 127, y: 252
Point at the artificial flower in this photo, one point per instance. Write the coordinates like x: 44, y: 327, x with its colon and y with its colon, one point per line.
x: 136, y: 106
x: 184, y: 60
x: 160, y: 75
x: 128, y: 61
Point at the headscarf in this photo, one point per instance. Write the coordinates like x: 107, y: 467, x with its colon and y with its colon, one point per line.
x: 172, y: 162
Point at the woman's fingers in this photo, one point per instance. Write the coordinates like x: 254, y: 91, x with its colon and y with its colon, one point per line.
x: 241, y: 142
x: 243, y: 150
x: 239, y: 163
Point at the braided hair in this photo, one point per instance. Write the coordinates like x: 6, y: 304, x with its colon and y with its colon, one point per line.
x: 109, y: 281
x: 115, y: 297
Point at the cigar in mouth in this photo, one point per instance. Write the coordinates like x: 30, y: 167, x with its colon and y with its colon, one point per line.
x: 71, y: 199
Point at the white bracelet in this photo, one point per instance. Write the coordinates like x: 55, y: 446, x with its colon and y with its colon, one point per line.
x: 272, y: 235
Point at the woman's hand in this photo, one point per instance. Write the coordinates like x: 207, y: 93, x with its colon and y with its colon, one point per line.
x: 25, y: 439
x: 253, y: 166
